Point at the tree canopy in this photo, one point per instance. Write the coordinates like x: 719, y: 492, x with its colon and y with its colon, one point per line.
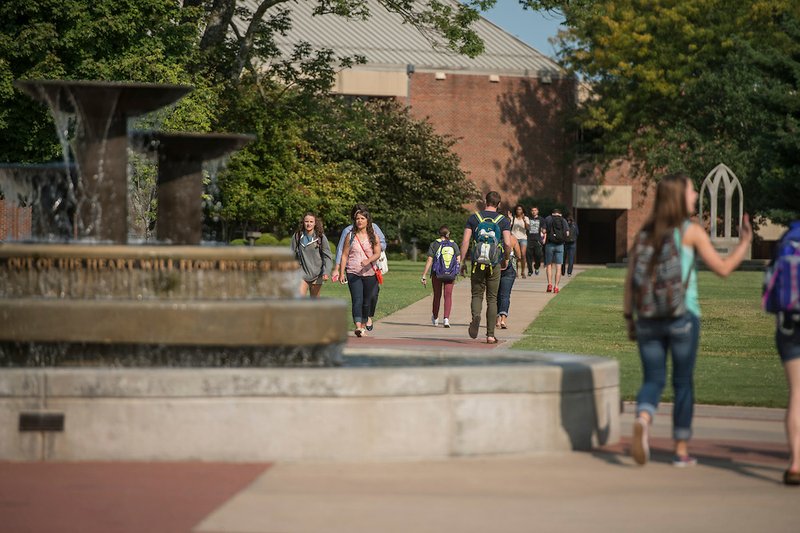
x: 227, y: 50
x: 687, y: 84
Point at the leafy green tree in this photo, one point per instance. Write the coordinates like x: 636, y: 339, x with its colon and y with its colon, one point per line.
x: 687, y: 84
x: 142, y: 40
x: 227, y: 50
x: 409, y: 169
x: 270, y: 183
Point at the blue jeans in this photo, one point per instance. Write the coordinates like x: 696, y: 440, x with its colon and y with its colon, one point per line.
x: 680, y: 337
x: 507, y: 278
x: 569, y: 258
x: 363, y: 291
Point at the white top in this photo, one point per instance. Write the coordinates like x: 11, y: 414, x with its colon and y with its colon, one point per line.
x: 518, y: 228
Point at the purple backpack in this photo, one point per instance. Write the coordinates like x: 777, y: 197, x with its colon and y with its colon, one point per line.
x: 445, y: 262
x: 782, y: 282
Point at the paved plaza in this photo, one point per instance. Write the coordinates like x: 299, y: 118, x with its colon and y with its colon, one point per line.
x: 736, y: 486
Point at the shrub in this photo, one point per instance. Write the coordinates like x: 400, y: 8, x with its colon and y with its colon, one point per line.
x: 238, y: 242
x: 267, y: 239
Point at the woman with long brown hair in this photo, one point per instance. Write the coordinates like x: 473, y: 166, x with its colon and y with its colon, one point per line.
x: 313, y: 253
x: 361, y: 249
x: 670, y: 238
x: 520, y: 225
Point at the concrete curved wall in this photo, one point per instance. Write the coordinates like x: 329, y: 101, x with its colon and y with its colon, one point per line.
x: 539, y: 403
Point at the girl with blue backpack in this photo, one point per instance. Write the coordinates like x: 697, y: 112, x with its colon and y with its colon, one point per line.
x: 444, y: 266
x: 782, y: 297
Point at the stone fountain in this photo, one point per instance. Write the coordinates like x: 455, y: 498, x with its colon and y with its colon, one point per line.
x: 95, y: 300
x: 168, y: 352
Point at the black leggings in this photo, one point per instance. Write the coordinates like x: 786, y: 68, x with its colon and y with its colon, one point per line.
x: 363, y: 295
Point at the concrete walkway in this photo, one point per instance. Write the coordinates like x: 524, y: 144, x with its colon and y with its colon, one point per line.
x: 412, y: 325
x: 736, y: 487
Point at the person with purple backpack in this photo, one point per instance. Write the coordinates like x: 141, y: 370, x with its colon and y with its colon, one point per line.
x: 444, y: 266
x: 782, y: 297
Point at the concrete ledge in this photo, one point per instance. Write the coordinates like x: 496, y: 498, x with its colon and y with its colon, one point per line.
x: 551, y: 402
x: 153, y: 322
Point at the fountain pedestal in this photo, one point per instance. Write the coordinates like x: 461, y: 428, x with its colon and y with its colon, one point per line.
x: 102, y: 110
x: 180, y: 178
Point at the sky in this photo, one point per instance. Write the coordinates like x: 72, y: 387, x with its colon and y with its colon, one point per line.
x: 531, y: 27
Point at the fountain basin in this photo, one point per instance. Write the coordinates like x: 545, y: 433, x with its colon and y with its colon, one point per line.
x: 540, y: 402
x: 98, y: 272
x: 81, y: 305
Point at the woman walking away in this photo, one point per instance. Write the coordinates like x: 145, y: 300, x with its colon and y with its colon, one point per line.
x: 520, y: 225
x: 314, y: 254
x: 507, y: 278
x: 361, y: 249
x: 443, y: 263
x: 668, y: 319
x: 782, y: 297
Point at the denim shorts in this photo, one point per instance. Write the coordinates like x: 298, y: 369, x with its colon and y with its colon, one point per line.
x: 553, y: 253
x: 787, y: 339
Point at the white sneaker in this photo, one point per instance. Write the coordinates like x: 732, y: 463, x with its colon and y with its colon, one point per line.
x: 434, y: 321
x: 447, y: 322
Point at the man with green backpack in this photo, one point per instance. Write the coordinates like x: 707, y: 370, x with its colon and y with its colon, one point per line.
x: 489, y: 233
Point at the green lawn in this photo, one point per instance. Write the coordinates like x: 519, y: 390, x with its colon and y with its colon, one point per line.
x: 737, y: 362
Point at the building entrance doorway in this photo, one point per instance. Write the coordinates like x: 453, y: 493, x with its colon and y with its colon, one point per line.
x: 597, y: 238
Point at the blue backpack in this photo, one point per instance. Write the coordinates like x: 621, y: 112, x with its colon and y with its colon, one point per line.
x: 445, y: 263
x: 486, y: 248
x: 782, y: 280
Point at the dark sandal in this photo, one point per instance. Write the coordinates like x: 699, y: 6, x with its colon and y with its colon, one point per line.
x: 491, y: 340
x: 791, y: 478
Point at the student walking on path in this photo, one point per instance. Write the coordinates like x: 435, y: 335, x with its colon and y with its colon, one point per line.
x: 507, y: 278
x: 570, y: 247
x: 520, y: 225
x: 663, y: 256
x: 555, y: 233
x: 312, y: 250
x: 782, y: 297
x: 489, y: 232
x: 361, y: 249
x: 442, y: 262
x: 340, y: 246
x: 535, y: 252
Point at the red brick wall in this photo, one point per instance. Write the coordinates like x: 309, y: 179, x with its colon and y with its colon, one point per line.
x: 511, y: 135
x: 15, y: 222
x: 620, y: 173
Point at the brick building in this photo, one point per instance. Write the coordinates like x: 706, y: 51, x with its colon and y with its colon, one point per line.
x: 507, y: 108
